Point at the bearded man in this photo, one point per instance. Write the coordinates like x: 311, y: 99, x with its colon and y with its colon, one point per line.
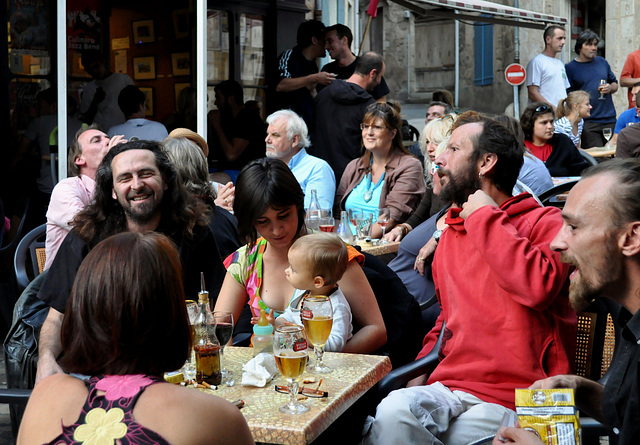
x: 137, y: 190
x: 600, y: 237
x: 503, y: 296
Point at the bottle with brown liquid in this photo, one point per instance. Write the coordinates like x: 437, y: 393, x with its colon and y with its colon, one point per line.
x: 207, y: 346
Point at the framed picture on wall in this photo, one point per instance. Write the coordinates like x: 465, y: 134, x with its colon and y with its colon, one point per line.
x: 181, y: 64
x: 181, y: 23
x: 143, y: 31
x: 144, y: 68
x: 178, y: 87
x: 148, y: 92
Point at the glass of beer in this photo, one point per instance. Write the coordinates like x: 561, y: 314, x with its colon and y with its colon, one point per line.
x: 317, y: 318
x: 603, y: 82
x: 290, y: 352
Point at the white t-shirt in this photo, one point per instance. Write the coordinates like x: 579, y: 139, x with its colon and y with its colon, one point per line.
x: 341, y: 330
x: 549, y: 75
x: 109, y: 113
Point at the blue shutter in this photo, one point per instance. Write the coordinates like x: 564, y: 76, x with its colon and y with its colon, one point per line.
x: 483, y: 54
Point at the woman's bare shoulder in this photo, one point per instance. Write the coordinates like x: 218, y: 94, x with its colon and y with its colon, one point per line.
x: 190, y: 416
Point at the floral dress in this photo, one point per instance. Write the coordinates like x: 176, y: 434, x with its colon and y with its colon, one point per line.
x: 247, y: 270
x: 107, y: 415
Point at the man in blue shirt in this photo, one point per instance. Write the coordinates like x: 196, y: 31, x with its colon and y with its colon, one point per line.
x: 593, y: 74
x: 287, y: 140
x: 628, y: 117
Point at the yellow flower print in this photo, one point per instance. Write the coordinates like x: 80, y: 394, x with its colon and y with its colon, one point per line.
x: 101, y: 427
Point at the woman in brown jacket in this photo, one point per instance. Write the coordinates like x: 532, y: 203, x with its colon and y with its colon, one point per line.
x: 386, y: 175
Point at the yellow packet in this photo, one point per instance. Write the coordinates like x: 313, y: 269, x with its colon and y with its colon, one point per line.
x: 551, y: 414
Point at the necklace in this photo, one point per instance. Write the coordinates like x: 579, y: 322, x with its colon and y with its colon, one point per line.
x: 368, y: 194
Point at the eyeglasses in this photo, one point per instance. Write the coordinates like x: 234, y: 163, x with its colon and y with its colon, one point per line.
x: 543, y: 109
x: 309, y: 392
x: 376, y: 128
x: 447, y: 117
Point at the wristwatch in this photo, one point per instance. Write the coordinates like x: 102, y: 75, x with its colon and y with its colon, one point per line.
x: 436, y: 235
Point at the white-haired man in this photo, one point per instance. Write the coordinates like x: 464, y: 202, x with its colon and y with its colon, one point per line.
x: 287, y: 140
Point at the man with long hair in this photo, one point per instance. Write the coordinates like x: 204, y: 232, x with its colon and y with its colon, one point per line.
x: 137, y: 190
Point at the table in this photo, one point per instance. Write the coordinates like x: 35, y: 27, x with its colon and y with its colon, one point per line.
x: 385, y: 252
x: 601, y: 152
x: 353, y: 375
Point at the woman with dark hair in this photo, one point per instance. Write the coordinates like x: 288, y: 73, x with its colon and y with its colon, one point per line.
x: 557, y: 151
x: 269, y: 201
x: 125, y: 325
x: 387, y: 175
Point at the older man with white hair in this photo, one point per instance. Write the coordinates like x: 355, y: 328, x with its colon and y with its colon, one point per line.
x: 287, y: 140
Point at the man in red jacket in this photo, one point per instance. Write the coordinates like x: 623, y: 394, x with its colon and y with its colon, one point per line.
x: 503, y: 294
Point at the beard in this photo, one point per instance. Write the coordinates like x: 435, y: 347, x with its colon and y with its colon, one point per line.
x: 141, y: 213
x: 586, y: 286
x: 458, y: 189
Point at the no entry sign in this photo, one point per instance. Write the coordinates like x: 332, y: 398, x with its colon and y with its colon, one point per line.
x: 515, y: 74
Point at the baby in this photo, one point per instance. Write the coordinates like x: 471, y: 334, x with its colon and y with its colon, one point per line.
x: 316, y: 263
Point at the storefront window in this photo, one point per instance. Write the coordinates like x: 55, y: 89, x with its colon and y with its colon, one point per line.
x: 217, y: 45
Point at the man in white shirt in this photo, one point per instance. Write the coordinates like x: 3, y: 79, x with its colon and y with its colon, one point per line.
x: 546, y: 77
x: 99, y: 104
x: 287, y: 140
x: 72, y: 194
x: 133, y: 104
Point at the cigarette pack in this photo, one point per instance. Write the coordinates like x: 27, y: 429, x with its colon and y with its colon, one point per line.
x: 551, y: 414
x: 174, y: 377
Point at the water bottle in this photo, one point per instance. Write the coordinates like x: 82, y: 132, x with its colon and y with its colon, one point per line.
x: 344, y: 232
x: 314, y: 212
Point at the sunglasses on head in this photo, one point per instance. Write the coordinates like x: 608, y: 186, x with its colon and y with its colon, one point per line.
x: 543, y: 109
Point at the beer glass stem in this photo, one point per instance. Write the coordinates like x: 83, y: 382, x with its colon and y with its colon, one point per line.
x: 319, y: 351
x: 293, y: 391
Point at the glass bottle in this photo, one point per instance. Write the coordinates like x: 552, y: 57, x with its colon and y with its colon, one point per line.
x: 207, y: 346
x: 314, y: 212
x: 344, y: 231
x: 262, y: 335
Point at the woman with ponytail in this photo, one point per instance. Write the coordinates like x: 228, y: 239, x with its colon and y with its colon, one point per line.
x: 571, y: 113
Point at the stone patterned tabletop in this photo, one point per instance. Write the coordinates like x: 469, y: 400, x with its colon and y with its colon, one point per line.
x: 379, y: 249
x: 353, y: 375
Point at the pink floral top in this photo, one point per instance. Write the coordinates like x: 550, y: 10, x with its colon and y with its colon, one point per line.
x: 107, y: 415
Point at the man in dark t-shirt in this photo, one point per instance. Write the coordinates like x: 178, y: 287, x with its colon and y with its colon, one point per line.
x: 338, y: 40
x: 298, y: 76
x: 137, y: 190
x: 239, y: 132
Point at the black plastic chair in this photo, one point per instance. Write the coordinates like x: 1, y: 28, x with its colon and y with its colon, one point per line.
x: 590, y: 159
x: 31, y: 246
x: 547, y: 198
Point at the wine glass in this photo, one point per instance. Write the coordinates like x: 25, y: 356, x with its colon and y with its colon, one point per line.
x: 603, y: 82
x: 383, y: 220
x: 607, y: 133
x: 352, y: 219
x: 317, y: 318
x: 290, y: 352
x: 327, y: 224
x: 189, y: 368
x: 224, y: 330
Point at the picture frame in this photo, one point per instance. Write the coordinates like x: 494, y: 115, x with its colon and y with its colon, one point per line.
x: 181, y: 64
x: 144, y: 68
x: 143, y: 31
x: 178, y: 87
x: 181, y: 23
x: 148, y: 92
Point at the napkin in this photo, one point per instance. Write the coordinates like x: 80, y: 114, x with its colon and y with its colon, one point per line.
x: 259, y: 370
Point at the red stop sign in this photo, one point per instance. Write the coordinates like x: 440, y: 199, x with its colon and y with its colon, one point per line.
x: 515, y: 74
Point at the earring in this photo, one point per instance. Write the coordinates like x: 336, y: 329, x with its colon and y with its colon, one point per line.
x: 480, y: 175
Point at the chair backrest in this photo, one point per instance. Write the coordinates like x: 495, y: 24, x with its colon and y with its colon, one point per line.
x: 400, y: 311
x: 12, y: 244
x: 31, y: 246
x: 596, y: 339
x: 547, y: 197
x: 590, y: 159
